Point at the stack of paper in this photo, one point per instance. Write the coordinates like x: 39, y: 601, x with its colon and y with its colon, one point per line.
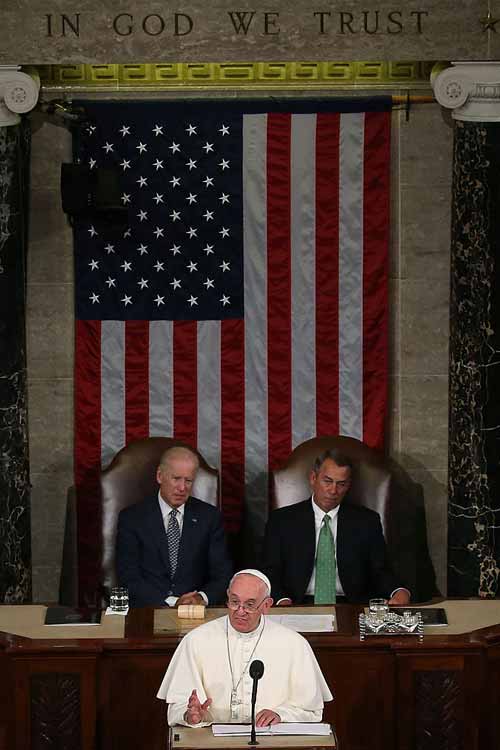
x: 238, y: 730
x: 306, y: 623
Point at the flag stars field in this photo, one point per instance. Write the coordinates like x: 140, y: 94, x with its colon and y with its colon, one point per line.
x: 166, y: 203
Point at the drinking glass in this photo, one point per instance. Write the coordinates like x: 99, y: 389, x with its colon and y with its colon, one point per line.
x: 118, y: 600
x: 378, y: 607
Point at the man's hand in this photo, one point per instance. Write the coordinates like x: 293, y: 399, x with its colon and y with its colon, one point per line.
x: 266, y: 717
x: 400, y: 599
x: 284, y: 602
x: 191, y: 597
x: 196, y: 711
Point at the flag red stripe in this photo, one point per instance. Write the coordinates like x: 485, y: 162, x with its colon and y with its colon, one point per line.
x: 136, y: 379
x: 376, y: 242
x: 233, y: 422
x: 327, y: 272
x: 185, y: 365
x: 279, y: 335
x: 87, y: 449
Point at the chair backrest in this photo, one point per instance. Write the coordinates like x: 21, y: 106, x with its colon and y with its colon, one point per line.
x: 378, y: 483
x: 130, y: 478
x: 371, y: 478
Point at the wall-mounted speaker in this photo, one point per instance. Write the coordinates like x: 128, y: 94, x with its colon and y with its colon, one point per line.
x: 92, y: 193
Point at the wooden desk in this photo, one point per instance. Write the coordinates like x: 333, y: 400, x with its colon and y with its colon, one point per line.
x: 391, y: 693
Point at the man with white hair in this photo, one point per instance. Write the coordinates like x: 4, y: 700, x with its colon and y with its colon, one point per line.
x: 208, y: 678
x: 170, y: 548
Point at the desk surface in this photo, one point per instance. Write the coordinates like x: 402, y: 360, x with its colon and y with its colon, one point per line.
x: 27, y: 621
x: 185, y: 738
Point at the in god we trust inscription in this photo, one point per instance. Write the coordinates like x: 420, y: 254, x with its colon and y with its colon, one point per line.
x: 341, y: 22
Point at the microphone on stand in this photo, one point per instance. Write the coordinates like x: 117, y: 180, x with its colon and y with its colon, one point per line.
x: 256, y: 671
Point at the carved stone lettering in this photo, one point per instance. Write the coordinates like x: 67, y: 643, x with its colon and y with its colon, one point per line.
x: 152, y: 24
x: 370, y: 22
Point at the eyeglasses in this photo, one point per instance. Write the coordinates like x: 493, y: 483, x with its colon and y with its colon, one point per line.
x: 245, y: 606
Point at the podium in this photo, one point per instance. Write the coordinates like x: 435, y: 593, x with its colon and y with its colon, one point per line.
x: 187, y: 738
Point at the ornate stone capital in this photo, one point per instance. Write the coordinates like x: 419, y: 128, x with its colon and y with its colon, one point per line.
x: 18, y: 93
x: 470, y: 89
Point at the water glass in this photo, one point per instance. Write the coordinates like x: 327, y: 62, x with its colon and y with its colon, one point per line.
x: 378, y: 607
x: 118, y: 600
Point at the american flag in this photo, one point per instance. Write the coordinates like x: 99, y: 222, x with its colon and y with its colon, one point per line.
x: 243, y: 306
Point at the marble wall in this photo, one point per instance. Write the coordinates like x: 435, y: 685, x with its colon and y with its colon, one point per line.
x: 419, y: 288
x: 50, y: 354
x: 422, y: 173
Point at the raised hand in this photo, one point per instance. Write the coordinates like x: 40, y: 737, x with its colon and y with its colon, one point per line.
x: 196, y: 711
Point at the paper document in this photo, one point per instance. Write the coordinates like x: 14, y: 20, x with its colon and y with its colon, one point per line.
x: 306, y: 623
x: 110, y: 611
x: 297, y: 728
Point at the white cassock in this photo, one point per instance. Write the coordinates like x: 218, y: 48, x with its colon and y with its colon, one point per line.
x: 214, y: 659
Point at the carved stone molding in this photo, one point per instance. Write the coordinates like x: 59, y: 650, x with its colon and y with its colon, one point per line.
x: 18, y: 93
x: 470, y: 89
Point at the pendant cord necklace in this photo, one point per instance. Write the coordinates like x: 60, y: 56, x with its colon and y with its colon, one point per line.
x: 235, y: 687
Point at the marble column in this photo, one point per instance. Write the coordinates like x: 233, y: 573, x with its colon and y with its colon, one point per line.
x: 472, y: 91
x: 18, y: 93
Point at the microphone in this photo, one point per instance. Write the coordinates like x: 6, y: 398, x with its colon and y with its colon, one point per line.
x: 256, y: 671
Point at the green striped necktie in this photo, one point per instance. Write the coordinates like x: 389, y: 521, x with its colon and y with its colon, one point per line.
x: 325, y: 585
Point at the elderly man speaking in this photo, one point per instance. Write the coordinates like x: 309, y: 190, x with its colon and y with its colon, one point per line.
x: 208, y: 678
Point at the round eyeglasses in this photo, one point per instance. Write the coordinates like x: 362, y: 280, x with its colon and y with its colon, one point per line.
x: 245, y: 606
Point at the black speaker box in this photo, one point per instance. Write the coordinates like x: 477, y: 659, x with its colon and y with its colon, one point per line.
x: 91, y: 193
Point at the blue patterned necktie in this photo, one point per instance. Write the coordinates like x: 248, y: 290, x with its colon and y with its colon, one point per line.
x: 325, y: 582
x: 173, y: 540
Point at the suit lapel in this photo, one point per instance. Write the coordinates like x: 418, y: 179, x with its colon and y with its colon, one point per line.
x: 189, y: 533
x: 156, y: 531
x: 307, y: 534
x: 344, y: 546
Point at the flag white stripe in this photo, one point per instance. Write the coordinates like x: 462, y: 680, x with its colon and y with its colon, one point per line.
x: 209, y: 390
x: 302, y: 230
x: 112, y: 389
x: 351, y: 275
x: 255, y: 268
x: 161, y: 412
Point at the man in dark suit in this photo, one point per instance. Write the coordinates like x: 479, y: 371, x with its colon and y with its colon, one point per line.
x: 358, y: 568
x: 170, y: 548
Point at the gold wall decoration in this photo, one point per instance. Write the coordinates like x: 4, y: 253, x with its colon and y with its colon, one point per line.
x: 235, y: 76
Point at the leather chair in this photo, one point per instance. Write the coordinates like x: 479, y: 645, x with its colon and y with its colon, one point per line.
x: 129, y: 478
x: 380, y: 484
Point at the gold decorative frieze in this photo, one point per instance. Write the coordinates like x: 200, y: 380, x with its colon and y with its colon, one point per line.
x: 234, y: 76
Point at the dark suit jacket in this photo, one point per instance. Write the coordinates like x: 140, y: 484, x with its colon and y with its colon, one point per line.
x: 142, y: 553
x: 289, y: 552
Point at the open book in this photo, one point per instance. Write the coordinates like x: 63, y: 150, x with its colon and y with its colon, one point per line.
x: 238, y: 730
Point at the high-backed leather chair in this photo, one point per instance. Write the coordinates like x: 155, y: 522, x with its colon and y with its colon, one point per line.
x: 380, y: 484
x: 130, y: 478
